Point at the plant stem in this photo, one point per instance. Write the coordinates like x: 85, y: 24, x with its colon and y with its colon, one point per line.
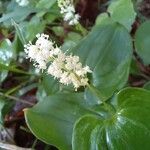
x: 25, y: 129
x: 101, y: 98
x: 80, y: 28
x: 17, y: 99
x: 34, y: 143
x: 15, y: 88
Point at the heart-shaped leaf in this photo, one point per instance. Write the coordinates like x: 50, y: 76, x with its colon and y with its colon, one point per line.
x: 128, y: 128
x: 107, y: 50
x: 52, y: 120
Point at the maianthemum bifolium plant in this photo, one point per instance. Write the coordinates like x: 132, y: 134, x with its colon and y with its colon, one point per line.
x: 85, y: 101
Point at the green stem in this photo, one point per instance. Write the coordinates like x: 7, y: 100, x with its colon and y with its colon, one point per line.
x: 25, y: 129
x: 80, y: 28
x: 16, y: 99
x: 101, y: 98
x: 34, y: 144
x: 14, y: 89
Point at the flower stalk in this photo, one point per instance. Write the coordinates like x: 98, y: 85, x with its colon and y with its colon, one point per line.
x: 101, y: 98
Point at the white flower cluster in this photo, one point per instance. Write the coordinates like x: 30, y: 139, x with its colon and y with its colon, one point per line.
x: 68, y: 10
x: 22, y: 2
x: 66, y: 68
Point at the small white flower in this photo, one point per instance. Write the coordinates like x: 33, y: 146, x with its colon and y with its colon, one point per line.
x: 56, y: 51
x: 69, y: 70
x: 41, y: 51
x: 68, y: 11
x: 45, y: 54
x: 42, y: 65
x: 22, y: 2
x: 43, y: 42
x: 70, y: 8
x: 32, y: 51
x: 65, y: 79
x: 87, y: 69
x: 39, y: 57
x: 68, y: 16
x: 84, y: 81
x: 54, y: 71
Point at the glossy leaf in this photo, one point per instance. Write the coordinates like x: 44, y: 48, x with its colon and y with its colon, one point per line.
x: 127, y: 128
x: 142, y: 42
x: 88, y: 134
x: 52, y: 119
x: 107, y: 50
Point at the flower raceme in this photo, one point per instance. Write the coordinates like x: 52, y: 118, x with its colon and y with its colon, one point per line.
x: 68, y: 10
x: 66, y: 68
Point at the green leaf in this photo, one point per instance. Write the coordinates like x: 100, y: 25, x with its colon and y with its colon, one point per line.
x: 49, y: 17
x: 147, y: 85
x: 19, y: 32
x: 50, y: 86
x: 73, y: 36
x: 17, y: 45
x: 13, y: 69
x: 104, y: 18
x: 128, y: 128
x: 5, y: 107
x: 18, y: 14
x: 122, y: 11
x: 88, y: 134
x: 134, y: 69
x: 58, y: 30
x: 142, y: 42
x: 30, y: 29
x: 52, y: 119
x: 68, y: 45
x: 6, y: 55
x: 45, y: 4
x: 107, y: 51
x: 90, y: 98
